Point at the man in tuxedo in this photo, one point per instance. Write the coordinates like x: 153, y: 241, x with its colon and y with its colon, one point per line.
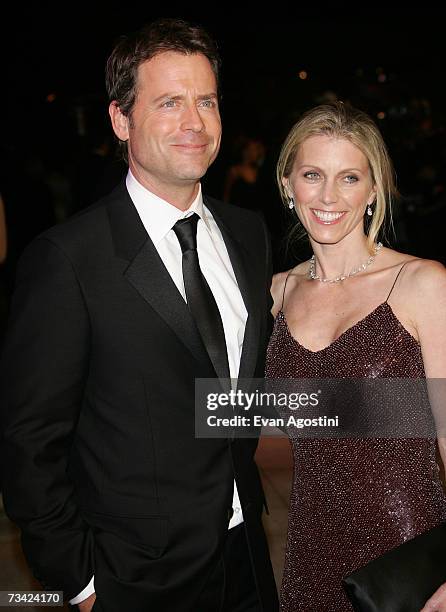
x: 116, y: 312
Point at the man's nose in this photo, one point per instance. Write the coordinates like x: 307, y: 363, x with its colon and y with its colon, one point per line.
x: 191, y: 119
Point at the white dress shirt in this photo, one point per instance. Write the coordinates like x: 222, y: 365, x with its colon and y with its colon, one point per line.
x: 158, y: 218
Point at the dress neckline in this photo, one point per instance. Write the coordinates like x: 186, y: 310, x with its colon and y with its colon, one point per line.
x: 383, y: 305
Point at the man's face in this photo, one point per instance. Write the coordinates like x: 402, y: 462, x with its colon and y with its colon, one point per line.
x: 174, y: 129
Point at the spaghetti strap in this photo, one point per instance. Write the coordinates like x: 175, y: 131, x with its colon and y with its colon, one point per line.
x: 284, y: 289
x: 396, y: 278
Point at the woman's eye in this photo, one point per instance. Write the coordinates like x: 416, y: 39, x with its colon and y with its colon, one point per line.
x: 311, y: 175
x: 351, y: 178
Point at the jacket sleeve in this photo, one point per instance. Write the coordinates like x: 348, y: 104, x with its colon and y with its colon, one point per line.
x: 43, y: 373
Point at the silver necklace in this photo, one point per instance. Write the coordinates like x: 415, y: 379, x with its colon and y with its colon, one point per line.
x: 312, y: 270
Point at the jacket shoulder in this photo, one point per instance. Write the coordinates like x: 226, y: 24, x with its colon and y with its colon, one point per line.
x: 86, y: 230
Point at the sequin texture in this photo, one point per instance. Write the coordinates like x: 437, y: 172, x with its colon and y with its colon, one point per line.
x: 352, y: 499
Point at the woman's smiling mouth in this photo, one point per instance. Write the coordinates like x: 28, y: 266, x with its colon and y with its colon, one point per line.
x: 327, y: 217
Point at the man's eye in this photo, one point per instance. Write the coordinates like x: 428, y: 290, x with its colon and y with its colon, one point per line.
x: 169, y: 103
x: 208, y: 103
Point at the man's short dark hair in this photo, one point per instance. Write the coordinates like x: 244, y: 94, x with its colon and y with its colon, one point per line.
x: 157, y: 37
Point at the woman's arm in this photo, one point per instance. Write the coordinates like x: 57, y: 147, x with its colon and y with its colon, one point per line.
x: 428, y: 285
x: 429, y: 302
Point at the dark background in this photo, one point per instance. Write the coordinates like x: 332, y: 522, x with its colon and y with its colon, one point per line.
x: 386, y: 60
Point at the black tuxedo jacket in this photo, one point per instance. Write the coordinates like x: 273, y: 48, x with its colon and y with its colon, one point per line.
x: 103, y: 472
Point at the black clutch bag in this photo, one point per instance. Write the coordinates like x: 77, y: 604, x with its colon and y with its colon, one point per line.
x: 403, y: 579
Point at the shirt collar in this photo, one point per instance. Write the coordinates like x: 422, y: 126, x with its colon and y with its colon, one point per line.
x: 157, y: 215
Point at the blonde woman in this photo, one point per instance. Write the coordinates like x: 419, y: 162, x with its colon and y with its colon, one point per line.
x: 356, y: 309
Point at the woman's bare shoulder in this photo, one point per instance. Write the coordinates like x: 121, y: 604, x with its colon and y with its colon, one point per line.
x: 424, y: 271
x: 278, y: 284
x: 422, y: 284
x: 425, y: 276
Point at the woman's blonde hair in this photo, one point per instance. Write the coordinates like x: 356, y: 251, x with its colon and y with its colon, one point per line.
x: 341, y: 120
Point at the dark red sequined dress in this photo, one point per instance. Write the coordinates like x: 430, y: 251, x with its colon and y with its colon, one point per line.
x: 352, y: 499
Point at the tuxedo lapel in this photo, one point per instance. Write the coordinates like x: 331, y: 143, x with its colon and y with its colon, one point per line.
x: 147, y: 273
x: 150, y: 278
x: 241, y: 261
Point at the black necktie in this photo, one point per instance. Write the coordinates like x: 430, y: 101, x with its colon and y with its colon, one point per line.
x: 200, y: 299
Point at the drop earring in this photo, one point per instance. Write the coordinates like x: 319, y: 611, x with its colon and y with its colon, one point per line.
x: 369, y: 210
x: 291, y: 203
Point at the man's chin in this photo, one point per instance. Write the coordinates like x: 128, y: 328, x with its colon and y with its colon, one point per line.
x: 193, y: 168
x: 191, y: 174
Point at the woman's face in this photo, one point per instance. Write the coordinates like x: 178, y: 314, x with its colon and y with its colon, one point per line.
x: 331, y: 185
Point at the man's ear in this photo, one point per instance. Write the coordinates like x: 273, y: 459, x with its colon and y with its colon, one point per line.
x: 120, y: 122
